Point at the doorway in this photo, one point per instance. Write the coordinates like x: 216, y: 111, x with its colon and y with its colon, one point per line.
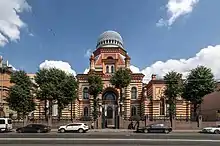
x: 109, y: 109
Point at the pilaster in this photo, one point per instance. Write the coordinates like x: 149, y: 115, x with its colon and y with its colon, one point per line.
x: 127, y: 103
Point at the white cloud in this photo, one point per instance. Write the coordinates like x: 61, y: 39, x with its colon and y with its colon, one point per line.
x: 88, y: 53
x: 65, y: 66
x: 86, y: 71
x: 135, y: 69
x: 10, y: 22
x: 209, y: 57
x: 175, y: 9
x: 31, y: 34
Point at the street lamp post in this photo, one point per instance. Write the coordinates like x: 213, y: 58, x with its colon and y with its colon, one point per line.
x: 121, y: 104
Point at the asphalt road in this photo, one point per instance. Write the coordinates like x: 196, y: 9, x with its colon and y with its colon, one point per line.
x: 105, y: 145
x: 107, y: 139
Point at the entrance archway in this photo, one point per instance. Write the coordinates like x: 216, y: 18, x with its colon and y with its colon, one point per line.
x: 109, y: 107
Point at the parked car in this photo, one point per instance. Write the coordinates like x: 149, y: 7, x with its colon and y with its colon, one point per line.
x: 74, y: 127
x: 212, y: 129
x: 155, y: 128
x: 5, y: 125
x: 34, y: 128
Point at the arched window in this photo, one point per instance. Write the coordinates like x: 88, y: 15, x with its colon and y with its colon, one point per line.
x: 112, y: 69
x: 86, y: 111
x: 133, y: 93
x: 109, y: 96
x: 109, y: 57
x: 133, y: 111
x: 162, y: 106
x: 85, y: 93
x: 107, y: 69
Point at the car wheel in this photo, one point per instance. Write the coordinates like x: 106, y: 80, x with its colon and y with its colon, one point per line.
x: 80, y: 130
x: 38, y: 131
x: 145, y: 131
x: 166, y: 131
x: 217, y: 132
x: 62, y: 130
x: 19, y: 131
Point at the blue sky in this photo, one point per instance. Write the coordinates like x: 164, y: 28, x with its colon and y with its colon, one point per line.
x: 64, y: 31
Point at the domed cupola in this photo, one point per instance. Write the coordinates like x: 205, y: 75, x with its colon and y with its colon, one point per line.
x: 110, y: 39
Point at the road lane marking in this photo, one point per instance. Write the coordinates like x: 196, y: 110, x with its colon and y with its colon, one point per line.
x: 108, y: 139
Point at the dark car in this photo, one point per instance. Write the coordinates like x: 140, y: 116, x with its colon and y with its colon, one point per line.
x: 34, y: 128
x: 155, y: 128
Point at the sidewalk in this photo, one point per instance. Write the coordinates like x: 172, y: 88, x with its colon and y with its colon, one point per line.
x: 130, y: 131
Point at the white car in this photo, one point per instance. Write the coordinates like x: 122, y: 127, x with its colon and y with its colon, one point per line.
x: 79, y: 127
x: 213, y: 129
x: 5, y: 124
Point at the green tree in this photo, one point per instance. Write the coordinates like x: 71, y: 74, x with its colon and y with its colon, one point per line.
x: 199, y: 83
x: 55, y: 86
x: 173, y: 81
x: 68, y: 88
x: 20, y: 95
x: 121, y: 79
x: 95, y: 88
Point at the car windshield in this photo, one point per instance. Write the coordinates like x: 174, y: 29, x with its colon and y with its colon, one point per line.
x: 30, y: 125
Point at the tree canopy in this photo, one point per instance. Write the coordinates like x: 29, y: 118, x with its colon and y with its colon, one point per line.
x: 121, y: 78
x: 20, y: 96
x: 95, y: 88
x: 173, y: 81
x: 95, y: 85
x: 199, y: 83
x: 57, y: 86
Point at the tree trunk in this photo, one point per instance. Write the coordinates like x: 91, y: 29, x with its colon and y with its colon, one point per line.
x: 45, y: 110
x: 50, y: 113
x: 25, y: 119
x: 171, y: 118
x: 197, y: 112
x: 71, y: 111
x: 172, y: 109
x: 95, y: 113
x: 172, y: 121
x: 59, y: 112
x: 195, y: 116
x: 120, y: 100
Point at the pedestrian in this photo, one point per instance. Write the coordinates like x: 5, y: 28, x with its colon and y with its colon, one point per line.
x: 131, y: 125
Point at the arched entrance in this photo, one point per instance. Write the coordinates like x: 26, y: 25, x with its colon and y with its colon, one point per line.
x: 109, y: 108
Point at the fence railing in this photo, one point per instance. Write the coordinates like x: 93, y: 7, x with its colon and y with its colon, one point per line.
x: 67, y: 118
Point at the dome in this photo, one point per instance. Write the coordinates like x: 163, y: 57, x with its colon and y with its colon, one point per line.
x: 110, y: 39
